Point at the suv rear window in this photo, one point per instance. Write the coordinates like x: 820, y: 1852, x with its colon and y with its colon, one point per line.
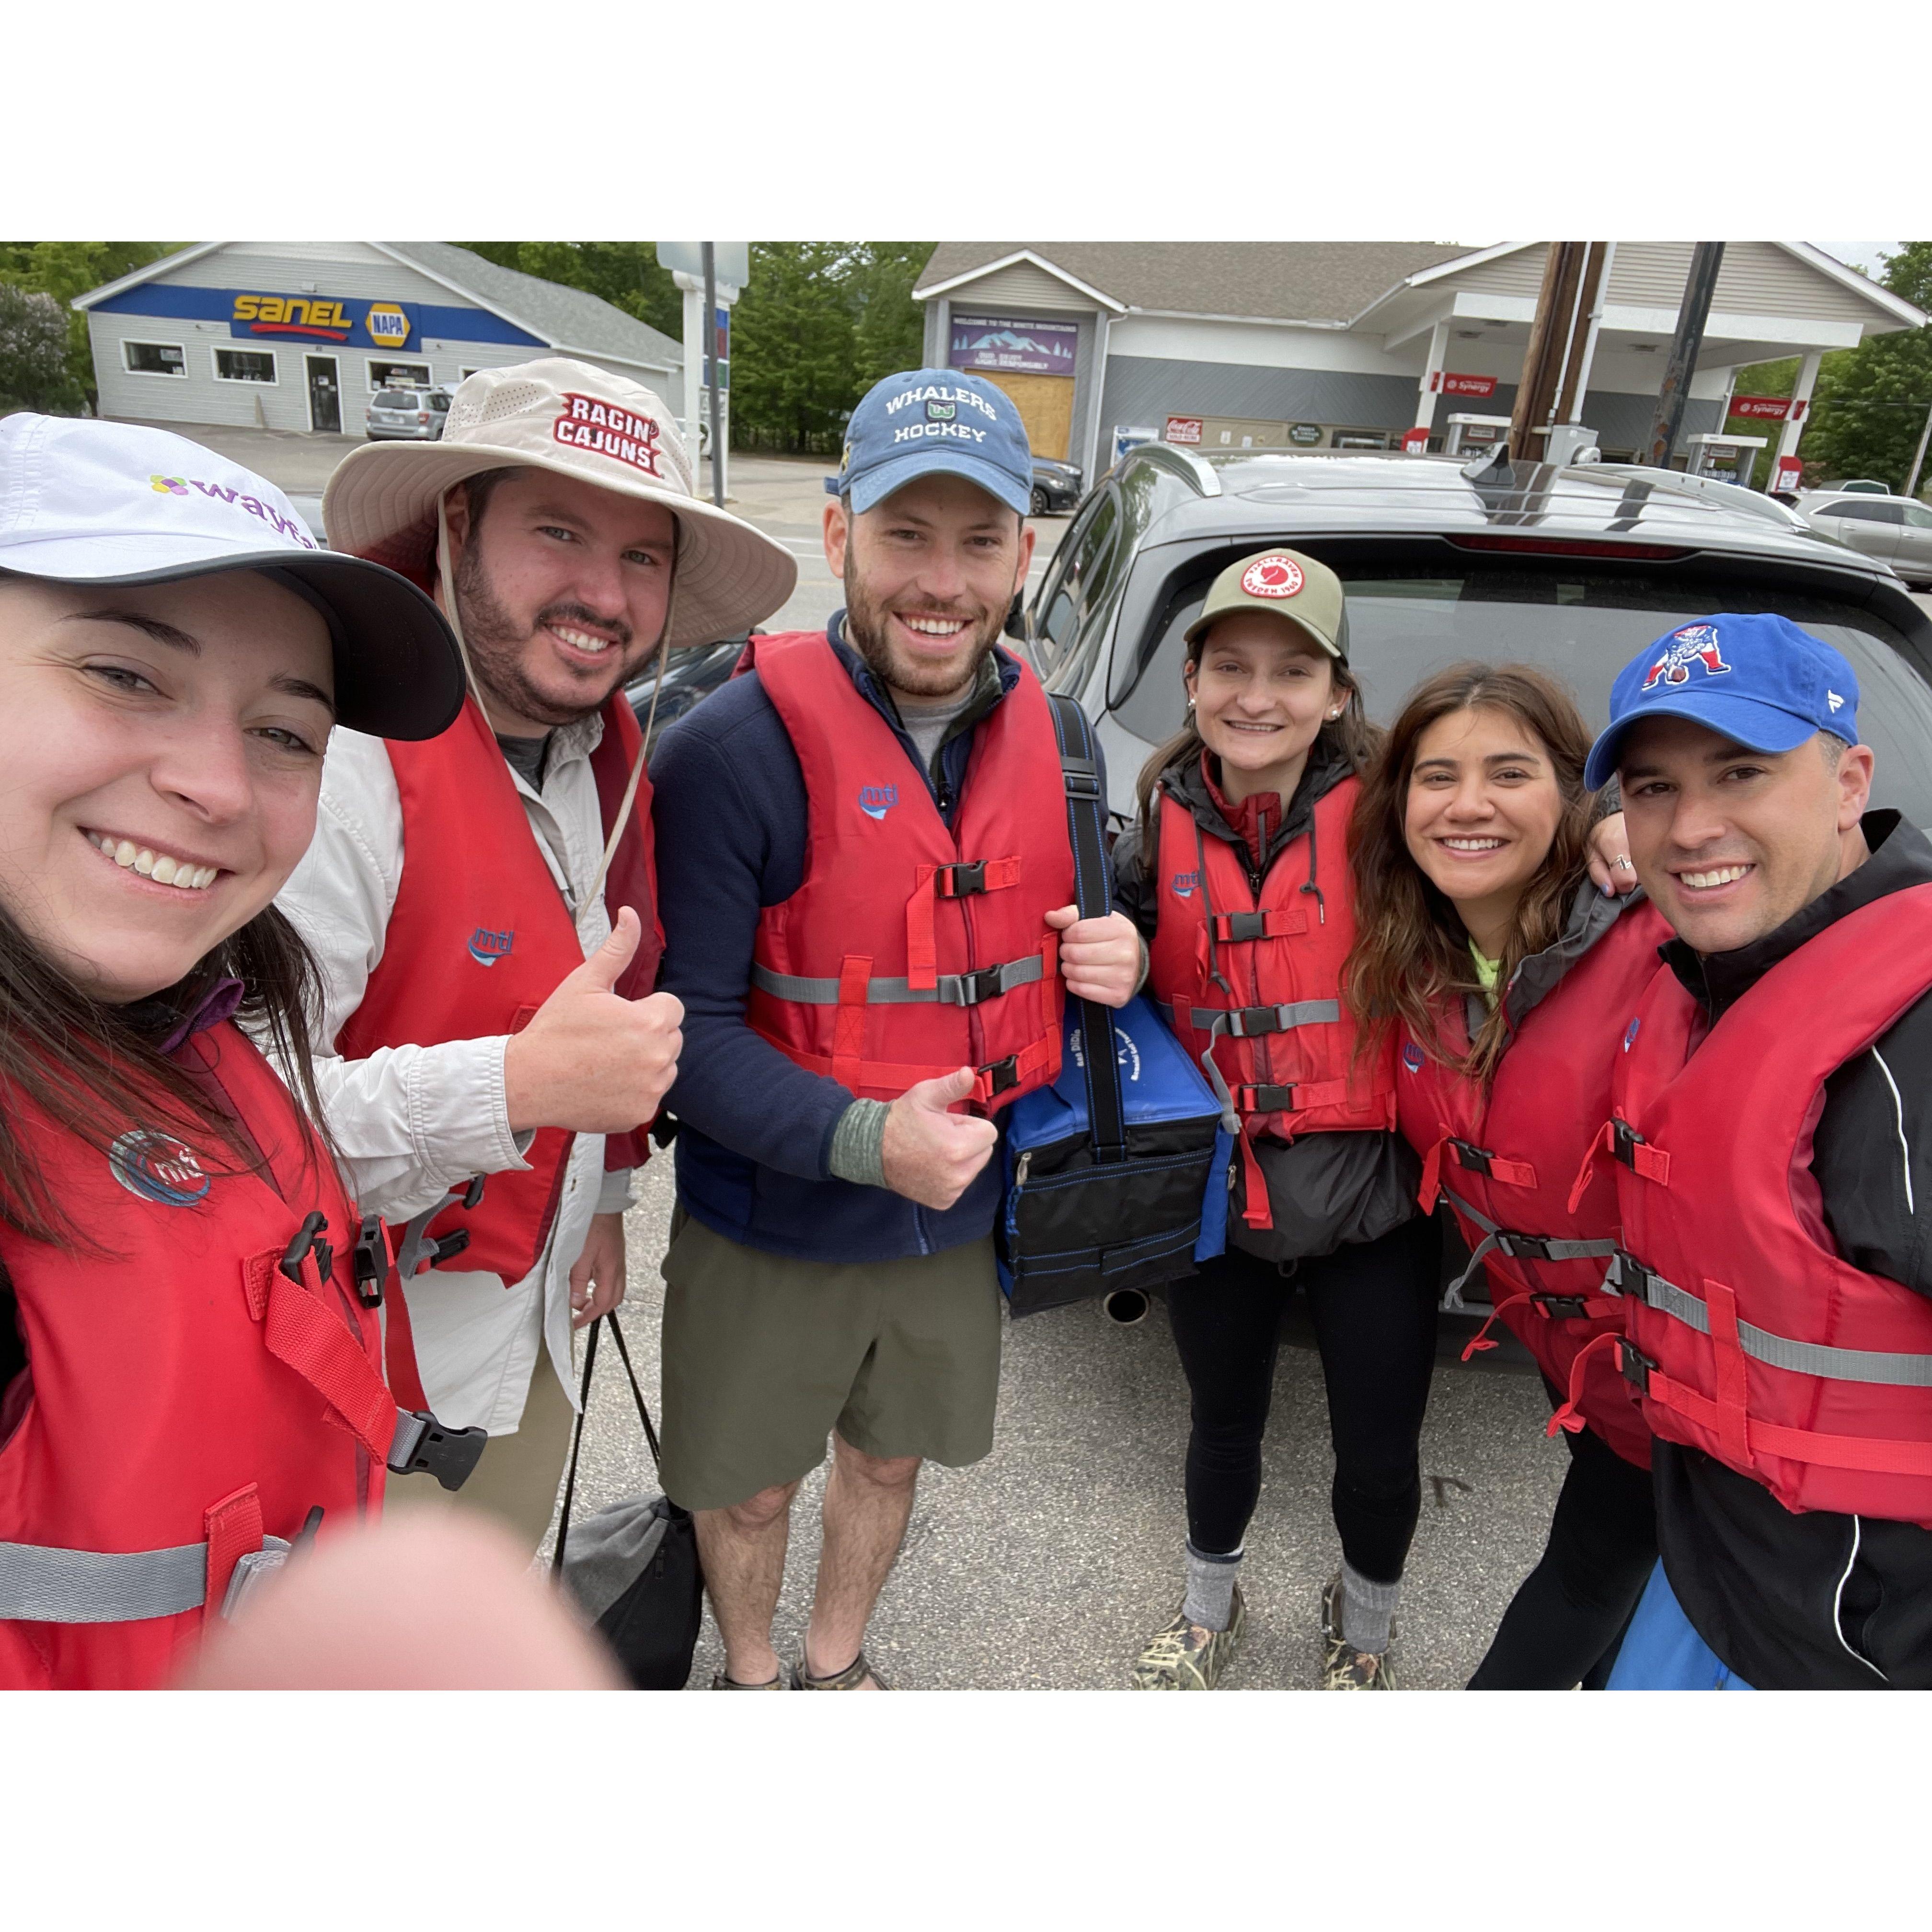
x: 397, y: 399
x: 1404, y: 625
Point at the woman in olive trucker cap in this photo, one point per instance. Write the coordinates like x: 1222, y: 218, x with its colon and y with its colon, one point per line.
x: 190, y: 1368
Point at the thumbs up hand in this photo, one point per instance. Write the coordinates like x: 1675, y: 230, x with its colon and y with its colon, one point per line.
x: 931, y: 1155
x: 591, y: 1061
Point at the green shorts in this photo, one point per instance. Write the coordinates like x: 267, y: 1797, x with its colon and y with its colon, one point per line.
x: 764, y: 1356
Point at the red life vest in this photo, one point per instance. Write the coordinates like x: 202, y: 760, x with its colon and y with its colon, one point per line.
x: 480, y: 937
x: 188, y: 1400
x: 910, y: 951
x: 1750, y: 1337
x: 1253, y: 983
x: 1505, y: 1158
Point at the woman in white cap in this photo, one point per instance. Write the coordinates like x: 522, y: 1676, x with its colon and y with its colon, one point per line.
x: 190, y: 1366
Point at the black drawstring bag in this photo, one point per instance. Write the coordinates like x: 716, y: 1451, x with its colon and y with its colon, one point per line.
x: 633, y: 1567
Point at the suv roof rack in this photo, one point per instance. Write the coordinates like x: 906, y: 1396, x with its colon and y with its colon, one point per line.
x: 1199, y: 474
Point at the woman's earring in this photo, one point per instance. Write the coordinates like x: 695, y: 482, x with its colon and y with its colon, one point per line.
x: 1190, y: 704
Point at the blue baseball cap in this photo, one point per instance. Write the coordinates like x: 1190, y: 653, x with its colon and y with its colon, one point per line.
x: 934, y: 420
x: 1760, y: 681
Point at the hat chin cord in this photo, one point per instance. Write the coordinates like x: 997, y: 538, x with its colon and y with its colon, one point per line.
x: 447, y: 576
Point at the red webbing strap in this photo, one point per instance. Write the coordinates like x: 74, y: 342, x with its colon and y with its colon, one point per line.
x: 895, y: 1076
x: 998, y: 875
x: 1653, y: 1163
x: 1309, y: 1094
x: 299, y: 1330
x: 922, y: 949
x: 1028, y: 1061
x: 399, y: 1350
x: 1600, y: 1142
x: 1873, y: 1455
x: 1728, y: 1355
x: 848, y: 1031
x: 1431, y: 1189
x: 1258, y: 1213
x: 1276, y: 923
x: 1512, y: 1173
x: 1570, y: 1416
x: 234, y: 1526
x: 1482, y: 1341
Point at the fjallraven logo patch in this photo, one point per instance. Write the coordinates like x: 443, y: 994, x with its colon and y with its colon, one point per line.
x: 487, y: 947
x: 1184, y: 883
x: 1695, y: 644
x: 1411, y: 1057
x: 157, y: 1167
x: 875, y: 801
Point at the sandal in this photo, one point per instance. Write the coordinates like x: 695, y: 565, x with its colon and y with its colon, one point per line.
x: 719, y: 1682
x: 854, y: 1674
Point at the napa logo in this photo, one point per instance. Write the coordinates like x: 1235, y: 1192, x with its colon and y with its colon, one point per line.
x: 1184, y: 883
x: 1126, y: 1053
x: 1411, y: 1057
x: 487, y: 947
x: 157, y: 1167
x: 875, y: 801
x: 1630, y: 1034
x: 1695, y: 644
x: 387, y: 326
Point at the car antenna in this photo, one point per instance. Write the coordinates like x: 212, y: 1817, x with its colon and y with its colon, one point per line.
x: 1492, y: 468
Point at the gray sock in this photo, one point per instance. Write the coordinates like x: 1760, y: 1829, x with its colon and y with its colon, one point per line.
x: 1210, y: 1589
x: 1366, y: 1608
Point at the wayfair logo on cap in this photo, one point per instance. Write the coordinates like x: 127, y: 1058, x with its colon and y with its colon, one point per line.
x: 224, y: 493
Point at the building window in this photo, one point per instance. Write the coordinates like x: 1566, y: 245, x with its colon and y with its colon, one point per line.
x: 154, y: 358
x: 398, y: 375
x: 244, y: 365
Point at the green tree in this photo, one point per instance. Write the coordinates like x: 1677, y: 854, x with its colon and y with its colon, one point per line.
x: 65, y: 269
x: 1869, y: 407
x: 33, y: 353
x: 889, y: 325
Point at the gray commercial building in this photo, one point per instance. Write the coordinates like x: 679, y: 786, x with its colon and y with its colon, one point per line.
x: 299, y: 335
x: 1348, y: 344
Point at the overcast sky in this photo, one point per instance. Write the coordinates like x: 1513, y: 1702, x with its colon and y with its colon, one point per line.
x: 1861, y: 254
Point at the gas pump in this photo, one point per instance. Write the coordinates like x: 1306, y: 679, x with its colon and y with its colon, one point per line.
x: 1472, y: 435
x: 1729, y: 458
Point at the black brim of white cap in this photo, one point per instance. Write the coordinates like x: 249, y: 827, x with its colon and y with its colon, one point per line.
x: 398, y: 672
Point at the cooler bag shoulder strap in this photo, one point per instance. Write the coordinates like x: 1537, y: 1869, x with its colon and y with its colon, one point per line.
x: 1087, y: 831
x: 583, y: 1411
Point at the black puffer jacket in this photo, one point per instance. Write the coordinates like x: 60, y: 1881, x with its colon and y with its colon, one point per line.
x: 1325, y: 1191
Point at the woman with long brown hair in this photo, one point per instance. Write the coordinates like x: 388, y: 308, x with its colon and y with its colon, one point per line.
x: 190, y: 1363
x: 1237, y: 876
x: 1505, y: 976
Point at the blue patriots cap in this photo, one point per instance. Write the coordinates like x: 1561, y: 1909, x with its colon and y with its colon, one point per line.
x: 1759, y: 681
x: 929, y: 420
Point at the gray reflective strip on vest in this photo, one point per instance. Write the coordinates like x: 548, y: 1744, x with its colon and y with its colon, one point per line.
x: 1546, y: 1249
x: 39, y: 1585
x: 948, y: 991
x: 1213, y: 1020
x: 1780, y: 1351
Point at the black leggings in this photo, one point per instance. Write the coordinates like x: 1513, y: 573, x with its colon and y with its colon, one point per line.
x: 1374, y: 1309
x: 1563, y: 1626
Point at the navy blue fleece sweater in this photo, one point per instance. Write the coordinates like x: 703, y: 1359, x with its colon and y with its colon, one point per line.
x: 755, y: 1138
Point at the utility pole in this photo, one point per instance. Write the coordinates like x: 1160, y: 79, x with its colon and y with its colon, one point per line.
x: 1562, y: 341
x: 1699, y: 287
x: 711, y: 361
x: 1918, y: 455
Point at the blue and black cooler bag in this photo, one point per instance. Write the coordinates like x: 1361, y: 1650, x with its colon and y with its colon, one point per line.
x: 1117, y: 1174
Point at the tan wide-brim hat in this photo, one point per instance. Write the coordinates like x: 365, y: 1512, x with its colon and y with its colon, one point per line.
x: 566, y: 416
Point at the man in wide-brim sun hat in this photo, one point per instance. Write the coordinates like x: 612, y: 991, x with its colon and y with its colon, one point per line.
x: 483, y: 904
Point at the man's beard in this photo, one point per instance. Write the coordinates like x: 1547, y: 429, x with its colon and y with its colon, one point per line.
x: 866, y: 632
x: 496, y: 646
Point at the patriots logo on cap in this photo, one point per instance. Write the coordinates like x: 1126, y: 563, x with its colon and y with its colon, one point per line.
x: 1695, y: 644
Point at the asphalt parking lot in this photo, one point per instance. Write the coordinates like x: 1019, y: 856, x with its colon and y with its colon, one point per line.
x: 1048, y: 1565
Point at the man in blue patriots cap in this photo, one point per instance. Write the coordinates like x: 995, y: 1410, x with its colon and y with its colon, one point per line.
x: 862, y: 1017
x: 1775, y: 1140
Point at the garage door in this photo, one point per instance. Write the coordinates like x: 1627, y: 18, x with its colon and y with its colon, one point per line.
x: 1046, y: 404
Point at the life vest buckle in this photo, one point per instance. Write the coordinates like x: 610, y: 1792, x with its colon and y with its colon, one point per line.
x: 959, y: 881
x: 1629, y: 1276
x: 1624, y: 1141
x: 1561, y: 1307
x: 446, y: 1247
x: 1265, y: 1099
x: 984, y: 983
x: 424, y: 1445
x: 1240, y: 927
x: 307, y: 1236
x: 370, y: 1261
x: 1249, y: 1022
x: 1526, y: 1247
x: 1634, y: 1365
x: 1000, y: 1075
x: 473, y: 1194
x: 1475, y: 1159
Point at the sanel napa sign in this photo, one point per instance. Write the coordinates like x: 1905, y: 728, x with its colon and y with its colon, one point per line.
x: 381, y: 325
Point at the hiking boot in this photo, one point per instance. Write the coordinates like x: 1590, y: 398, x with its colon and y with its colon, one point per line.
x: 1342, y: 1668
x: 1184, y: 1657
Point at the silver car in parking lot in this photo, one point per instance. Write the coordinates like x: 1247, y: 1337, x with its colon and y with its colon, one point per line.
x: 413, y: 416
x: 1897, y: 530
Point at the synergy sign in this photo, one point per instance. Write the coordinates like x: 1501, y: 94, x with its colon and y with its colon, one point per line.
x: 386, y: 324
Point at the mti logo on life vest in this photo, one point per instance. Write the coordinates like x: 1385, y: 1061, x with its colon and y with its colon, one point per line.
x: 1630, y: 1034
x: 486, y: 947
x: 1272, y: 576
x: 875, y: 801
x: 1184, y: 883
x: 1411, y: 1057
x: 157, y: 1168
x: 1695, y: 644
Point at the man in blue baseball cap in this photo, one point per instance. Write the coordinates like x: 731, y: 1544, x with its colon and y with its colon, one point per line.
x: 1773, y: 1131
x: 867, y: 891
